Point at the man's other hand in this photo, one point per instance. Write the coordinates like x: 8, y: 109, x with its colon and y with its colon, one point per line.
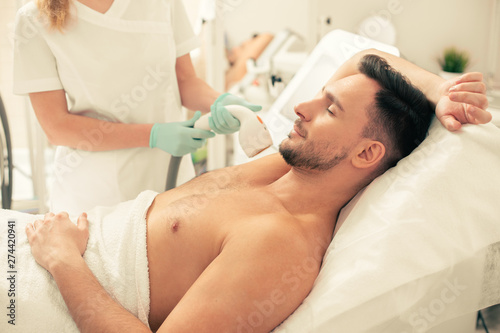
x: 463, y: 101
x: 56, y: 239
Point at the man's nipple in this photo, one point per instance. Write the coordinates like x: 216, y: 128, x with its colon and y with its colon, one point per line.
x: 175, y: 226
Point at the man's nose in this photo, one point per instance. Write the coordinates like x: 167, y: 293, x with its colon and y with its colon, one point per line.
x: 304, y: 110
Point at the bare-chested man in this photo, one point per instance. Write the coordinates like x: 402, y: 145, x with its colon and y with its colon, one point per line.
x: 214, y: 256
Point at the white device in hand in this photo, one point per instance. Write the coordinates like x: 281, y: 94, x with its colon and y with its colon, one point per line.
x: 254, y: 136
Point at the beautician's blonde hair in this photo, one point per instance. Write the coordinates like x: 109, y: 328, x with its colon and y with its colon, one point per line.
x: 56, y: 11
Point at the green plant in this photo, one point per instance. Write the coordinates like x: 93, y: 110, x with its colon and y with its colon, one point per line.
x: 454, y: 60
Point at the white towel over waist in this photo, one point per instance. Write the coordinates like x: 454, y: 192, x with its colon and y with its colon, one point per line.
x: 116, y: 253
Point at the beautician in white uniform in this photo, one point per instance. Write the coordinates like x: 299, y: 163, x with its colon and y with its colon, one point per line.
x: 106, y: 83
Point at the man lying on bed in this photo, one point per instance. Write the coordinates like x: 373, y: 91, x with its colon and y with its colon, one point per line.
x: 240, y: 255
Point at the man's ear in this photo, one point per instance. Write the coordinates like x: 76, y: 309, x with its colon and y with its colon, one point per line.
x: 368, y: 154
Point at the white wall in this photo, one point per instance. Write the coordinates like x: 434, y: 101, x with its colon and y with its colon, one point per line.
x: 424, y: 27
x: 495, y: 46
x: 243, y: 18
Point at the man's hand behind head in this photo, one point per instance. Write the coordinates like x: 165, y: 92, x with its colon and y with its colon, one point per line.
x: 463, y: 101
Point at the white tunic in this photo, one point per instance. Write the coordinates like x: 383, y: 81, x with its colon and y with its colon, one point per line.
x: 118, y: 66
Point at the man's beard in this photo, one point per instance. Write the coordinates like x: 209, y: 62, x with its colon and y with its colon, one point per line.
x: 309, y: 155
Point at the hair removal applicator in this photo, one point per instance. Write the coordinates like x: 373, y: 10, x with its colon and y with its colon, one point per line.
x: 253, y: 137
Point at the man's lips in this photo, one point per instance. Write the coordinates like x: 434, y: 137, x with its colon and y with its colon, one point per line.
x: 297, y: 128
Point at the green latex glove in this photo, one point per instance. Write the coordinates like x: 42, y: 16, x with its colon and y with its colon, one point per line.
x: 223, y: 122
x: 179, y: 138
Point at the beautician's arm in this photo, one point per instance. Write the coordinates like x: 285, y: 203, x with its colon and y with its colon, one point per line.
x: 65, y: 129
x: 464, y: 103
x: 196, y: 94
x: 58, y: 245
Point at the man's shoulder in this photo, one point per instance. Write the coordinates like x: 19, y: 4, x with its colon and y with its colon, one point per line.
x: 278, y: 248
x: 279, y: 232
x: 261, y: 171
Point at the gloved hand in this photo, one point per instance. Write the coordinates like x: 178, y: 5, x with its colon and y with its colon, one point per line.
x: 179, y: 138
x: 223, y: 122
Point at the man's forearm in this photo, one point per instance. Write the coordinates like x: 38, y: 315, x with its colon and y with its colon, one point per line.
x: 457, y: 101
x: 427, y: 82
x: 92, y: 309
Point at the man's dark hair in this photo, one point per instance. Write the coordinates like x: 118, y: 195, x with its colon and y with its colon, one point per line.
x: 401, y: 114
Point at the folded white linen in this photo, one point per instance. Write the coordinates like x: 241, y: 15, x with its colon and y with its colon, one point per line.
x: 116, y: 253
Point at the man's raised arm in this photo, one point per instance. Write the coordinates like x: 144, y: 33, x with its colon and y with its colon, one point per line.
x: 458, y: 101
